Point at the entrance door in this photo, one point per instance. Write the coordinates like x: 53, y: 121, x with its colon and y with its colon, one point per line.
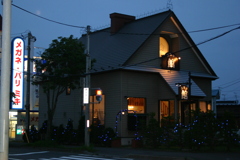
x: 186, y: 108
x: 166, y: 111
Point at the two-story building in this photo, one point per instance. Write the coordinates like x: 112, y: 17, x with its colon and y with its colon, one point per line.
x: 142, y: 65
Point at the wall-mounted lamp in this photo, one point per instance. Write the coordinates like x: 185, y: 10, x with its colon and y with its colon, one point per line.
x: 170, y: 61
x: 185, y: 88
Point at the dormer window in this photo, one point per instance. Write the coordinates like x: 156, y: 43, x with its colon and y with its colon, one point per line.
x: 163, y: 46
x: 167, y: 45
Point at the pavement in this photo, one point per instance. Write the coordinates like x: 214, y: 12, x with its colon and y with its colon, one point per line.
x: 152, y: 154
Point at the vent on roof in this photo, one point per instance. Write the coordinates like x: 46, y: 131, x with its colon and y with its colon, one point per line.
x: 118, y: 20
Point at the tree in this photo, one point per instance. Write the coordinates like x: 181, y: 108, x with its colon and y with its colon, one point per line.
x: 60, y: 67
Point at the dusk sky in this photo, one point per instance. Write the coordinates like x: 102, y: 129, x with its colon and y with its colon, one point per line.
x: 223, y: 53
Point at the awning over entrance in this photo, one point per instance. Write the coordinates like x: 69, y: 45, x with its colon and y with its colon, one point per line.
x: 173, y: 77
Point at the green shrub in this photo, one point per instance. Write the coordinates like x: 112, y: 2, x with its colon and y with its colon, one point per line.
x: 152, y: 132
x: 228, y: 131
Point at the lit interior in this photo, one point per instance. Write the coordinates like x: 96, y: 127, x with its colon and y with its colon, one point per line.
x: 136, y: 104
x: 163, y: 47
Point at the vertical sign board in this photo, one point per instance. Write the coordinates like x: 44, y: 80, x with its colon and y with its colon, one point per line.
x: 85, y: 95
x: 17, y: 73
x: 184, y: 92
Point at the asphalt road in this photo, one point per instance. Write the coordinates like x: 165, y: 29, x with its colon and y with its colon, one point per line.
x: 21, y: 152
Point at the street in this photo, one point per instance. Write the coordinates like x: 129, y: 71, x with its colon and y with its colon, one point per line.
x: 35, y: 154
x: 18, y: 151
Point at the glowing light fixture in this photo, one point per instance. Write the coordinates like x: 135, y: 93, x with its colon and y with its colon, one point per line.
x: 171, y: 60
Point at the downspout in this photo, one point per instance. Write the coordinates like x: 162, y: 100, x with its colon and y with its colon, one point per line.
x: 121, y: 98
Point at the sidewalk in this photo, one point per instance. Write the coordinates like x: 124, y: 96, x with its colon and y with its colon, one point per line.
x: 151, y: 154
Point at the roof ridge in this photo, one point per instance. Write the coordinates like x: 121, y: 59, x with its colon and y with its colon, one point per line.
x: 137, y: 19
x: 155, y: 14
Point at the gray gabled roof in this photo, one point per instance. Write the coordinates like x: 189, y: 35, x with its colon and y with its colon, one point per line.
x: 112, y: 51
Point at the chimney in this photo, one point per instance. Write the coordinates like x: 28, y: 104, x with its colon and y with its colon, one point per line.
x: 119, y: 20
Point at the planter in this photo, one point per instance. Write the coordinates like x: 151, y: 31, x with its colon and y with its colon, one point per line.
x: 116, y: 143
x: 137, y: 143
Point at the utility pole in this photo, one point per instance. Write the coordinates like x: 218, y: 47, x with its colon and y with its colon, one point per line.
x: 87, y: 85
x: 5, y: 80
x: 27, y: 106
x: 31, y: 39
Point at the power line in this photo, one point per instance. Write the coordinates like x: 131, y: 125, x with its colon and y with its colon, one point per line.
x: 148, y: 34
x: 47, y: 18
x: 233, y: 90
x: 208, y: 40
x: 202, y: 30
x: 25, y: 32
x: 228, y: 83
x: 119, y: 33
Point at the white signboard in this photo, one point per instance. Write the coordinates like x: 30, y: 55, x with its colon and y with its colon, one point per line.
x: 85, y: 95
x: 17, y: 73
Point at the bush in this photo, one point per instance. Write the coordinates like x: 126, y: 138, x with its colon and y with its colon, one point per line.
x: 103, y: 136
x: 152, y: 133
x: 227, y: 128
x: 201, y: 131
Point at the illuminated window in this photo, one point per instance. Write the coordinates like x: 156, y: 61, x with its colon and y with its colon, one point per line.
x: 163, y: 46
x: 136, y: 119
x: 166, y: 110
x: 97, y: 111
x: 209, y: 106
x: 137, y: 105
x: 203, y: 106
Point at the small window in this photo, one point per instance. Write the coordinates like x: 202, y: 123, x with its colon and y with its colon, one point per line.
x: 136, y: 113
x: 137, y: 105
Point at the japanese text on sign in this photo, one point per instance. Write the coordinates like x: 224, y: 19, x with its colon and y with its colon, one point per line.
x: 17, y: 73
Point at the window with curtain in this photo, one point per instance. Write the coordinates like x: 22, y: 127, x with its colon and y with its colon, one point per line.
x: 137, y: 105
